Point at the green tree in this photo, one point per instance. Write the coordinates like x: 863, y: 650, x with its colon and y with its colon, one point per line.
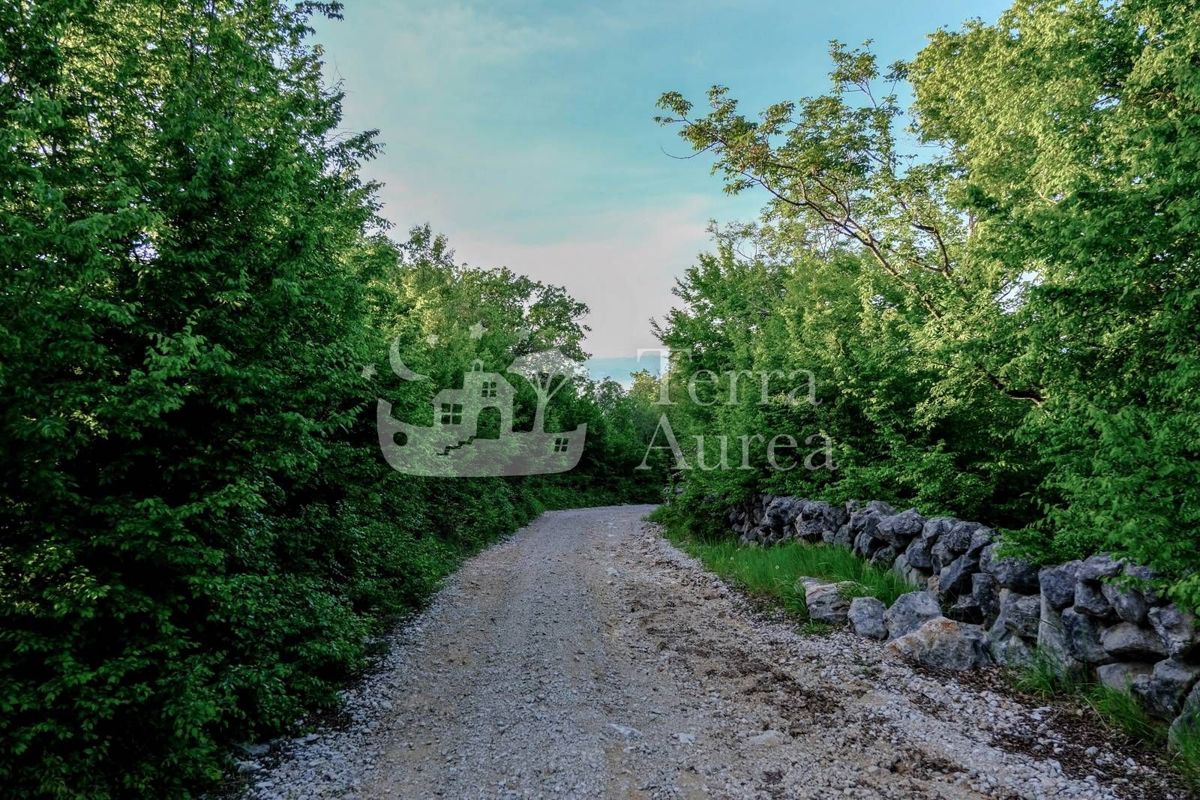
x: 1075, y: 129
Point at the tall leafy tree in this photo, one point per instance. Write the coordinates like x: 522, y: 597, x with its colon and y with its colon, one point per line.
x: 1076, y: 128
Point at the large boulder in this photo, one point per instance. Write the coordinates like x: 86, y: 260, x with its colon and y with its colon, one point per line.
x: 955, y: 578
x: 1052, y: 639
x: 1129, y: 603
x: 781, y: 513
x: 1129, y: 642
x: 827, y: 602
x: 1019, y: 615
x: 944, y: 644
x: 958, y: 538
x: 1177, y: 629
x: 980, y: 603
x: 1058, y: 583
x: 907, y: 571
x: 911, y: 611
x: 1016, y: 574
x: 935, y: 527
x: 899, y: 529
x: 1083, y: 638
x: 1122, y: 675
x: 918, y: 555
x: 867, y: 617
x: 1097, y: 568
x: 1163, y: 691
x: 1091, y: 601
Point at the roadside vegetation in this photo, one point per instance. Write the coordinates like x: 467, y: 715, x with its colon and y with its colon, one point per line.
x: 1044, y: 677
x: 199, y: 539
x: 996, y: 289
x: 771, y: 573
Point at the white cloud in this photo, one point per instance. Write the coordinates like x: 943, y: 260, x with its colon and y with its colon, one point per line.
x: 624, y: 271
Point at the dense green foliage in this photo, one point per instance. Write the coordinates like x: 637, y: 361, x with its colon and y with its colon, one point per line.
x: 198, y: 536
x: 1003, y: 324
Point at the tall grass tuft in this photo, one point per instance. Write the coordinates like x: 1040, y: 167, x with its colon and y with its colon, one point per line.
x: 1121, y: 711
x: 1045, y: 676
x: 772, y: 572
x: 1185, y: 753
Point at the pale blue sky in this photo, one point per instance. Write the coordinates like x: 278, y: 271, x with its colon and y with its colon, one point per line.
x: 524, y: 129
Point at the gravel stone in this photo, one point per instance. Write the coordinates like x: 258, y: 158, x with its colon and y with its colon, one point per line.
x: 537, y: 673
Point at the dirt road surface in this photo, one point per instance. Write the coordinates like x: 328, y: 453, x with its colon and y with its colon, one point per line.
x: 585, y: 658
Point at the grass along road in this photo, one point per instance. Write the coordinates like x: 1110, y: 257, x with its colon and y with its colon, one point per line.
x: 588, y: 657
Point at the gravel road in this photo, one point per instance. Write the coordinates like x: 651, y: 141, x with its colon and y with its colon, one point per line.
x: 585, y: 657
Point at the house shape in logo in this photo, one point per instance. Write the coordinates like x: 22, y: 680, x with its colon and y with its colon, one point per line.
x: 454, y: 445
x: 456, y: 411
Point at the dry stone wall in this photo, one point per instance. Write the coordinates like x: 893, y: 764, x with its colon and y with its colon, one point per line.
x: 973, y: 608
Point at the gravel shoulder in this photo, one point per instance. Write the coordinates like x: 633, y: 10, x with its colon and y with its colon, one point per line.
x: 587, y: 657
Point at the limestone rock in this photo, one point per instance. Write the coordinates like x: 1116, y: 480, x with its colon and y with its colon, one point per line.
x: 1176, y: 628
x: 1095, y: 568
x: 1009, y: 649
x: 955, y: 578
x: 958, y: 538
x: 1163, y: 692
x: 980, y: 604
x: 981, y: 538
x: 1128, y: 641
x: 867, y: 617
x: 782, y: 512
x: 866, y: 543
x: 1189, y: 716
x: 818, y: 520
x: 884, y: 557
x: 906, y: 571
x: 1052, y: 637
x: 841, y: 537
x: 1058, y: 583
x: 1016, y: 574
x: 940, y: 555
x: 918, y: 555
x: 827, y: 602
x: 911, y: 611
x: 879, y: 507
x: 1128, y: 603
x: 1090, y: 600
x: 899, y: 529
x: 1121, y: 676
x: 944, y: 644
x: 1083, y: 638
x: 935, y: 528
x: 1019, y: 614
